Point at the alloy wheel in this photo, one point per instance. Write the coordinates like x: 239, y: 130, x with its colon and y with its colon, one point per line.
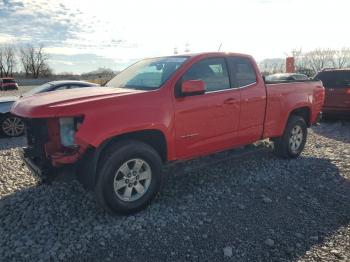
x: 296, y: 138
x: 13, y: 126
x: 132, y: 179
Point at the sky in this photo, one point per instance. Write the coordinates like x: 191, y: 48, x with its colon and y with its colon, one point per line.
x: 81, y: 36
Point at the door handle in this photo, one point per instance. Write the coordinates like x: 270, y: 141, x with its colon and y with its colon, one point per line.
x: 230, y: 100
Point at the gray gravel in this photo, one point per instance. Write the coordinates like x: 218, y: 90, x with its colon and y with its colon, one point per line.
x: 255, y: 208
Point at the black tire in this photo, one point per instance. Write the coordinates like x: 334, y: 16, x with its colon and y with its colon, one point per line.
x: 112, y: 160
x: 287, y: 146
x: 18, y: 125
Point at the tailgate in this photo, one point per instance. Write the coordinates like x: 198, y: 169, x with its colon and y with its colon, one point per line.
x: 338, y: 97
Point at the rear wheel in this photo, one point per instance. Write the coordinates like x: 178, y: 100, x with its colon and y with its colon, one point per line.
x: 292, y: 142
x: 129, y: 177
x: 12, y: 126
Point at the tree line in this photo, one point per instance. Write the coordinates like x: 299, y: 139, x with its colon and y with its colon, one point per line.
x: 310, y: 62
x: 32, y: 59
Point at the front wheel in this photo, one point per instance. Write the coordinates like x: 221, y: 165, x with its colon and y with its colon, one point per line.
x: 129, y: 177
x: 12, y: 126
x: 293, y: 140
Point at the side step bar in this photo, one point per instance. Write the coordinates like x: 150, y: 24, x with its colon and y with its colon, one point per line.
x: 210, y: 160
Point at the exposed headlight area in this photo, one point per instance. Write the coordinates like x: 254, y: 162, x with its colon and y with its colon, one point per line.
x: 68, y: 127
x: 52, y: 141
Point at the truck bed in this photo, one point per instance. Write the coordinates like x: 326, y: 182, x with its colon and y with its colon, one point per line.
x: 290, y: 94
x: 288, y: 81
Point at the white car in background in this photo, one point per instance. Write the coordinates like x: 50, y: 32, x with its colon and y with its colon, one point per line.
x: 13, y: 126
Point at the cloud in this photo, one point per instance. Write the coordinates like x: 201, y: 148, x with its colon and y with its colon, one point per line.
x: 82, y: 63
x: 65, y: 50
x: 46, y: 22
x: 63, y: 62
x: 58, y: 24
x: 6, y: 38
x: 129, y: 30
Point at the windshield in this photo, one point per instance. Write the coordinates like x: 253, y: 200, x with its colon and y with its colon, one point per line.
x: 39, y: 89
x: 148, y: 74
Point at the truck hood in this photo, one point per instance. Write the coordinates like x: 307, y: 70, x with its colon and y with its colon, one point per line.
x: 51, y: 104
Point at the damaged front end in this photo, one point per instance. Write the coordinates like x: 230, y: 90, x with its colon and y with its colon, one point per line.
x: 52, y: 145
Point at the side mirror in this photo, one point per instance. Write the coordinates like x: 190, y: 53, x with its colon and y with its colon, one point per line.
x: 192, y: 87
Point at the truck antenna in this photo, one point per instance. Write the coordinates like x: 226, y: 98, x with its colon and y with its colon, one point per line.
x: 219, y: 47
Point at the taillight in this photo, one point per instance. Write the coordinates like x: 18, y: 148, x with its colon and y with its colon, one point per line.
x: 348, y: 91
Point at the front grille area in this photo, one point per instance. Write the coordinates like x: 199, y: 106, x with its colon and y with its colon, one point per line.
x: 37, y: 137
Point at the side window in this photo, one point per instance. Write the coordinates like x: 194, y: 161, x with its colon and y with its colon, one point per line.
x: 301, y: 77
x: 73, y: 86
x: 62, y: 87
x: 212, y: 71
x: 343, y: 79
x: 242, y: 71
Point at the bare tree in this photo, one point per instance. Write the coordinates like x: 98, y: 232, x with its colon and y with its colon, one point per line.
x: 1, y: 62
x: 7, y: 60
x: 25, y: 61
x: 311, y: 62
x: 272, y: 65
x: 46, y: 71
x: 34, y: 60
x: 299, y: 60
x: 319, y: 59
x: 341, y: 58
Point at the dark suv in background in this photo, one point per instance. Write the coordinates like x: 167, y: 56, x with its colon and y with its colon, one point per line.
x: 337, y: 85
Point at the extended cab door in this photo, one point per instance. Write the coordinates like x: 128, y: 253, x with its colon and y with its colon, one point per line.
x: 208, y: 122
x: 253, y: 97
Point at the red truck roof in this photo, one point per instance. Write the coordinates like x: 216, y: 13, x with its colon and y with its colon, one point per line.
x: 209, y: 54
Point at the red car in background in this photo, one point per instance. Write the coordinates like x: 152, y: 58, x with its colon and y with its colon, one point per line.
x: 8, y: 83
x: 337, y: 86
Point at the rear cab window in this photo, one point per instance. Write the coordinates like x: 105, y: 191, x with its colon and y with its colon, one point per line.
x: 242, y: 71
x: 334, y: 79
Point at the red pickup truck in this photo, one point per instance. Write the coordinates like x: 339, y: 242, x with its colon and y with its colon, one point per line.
x: 160, y: 110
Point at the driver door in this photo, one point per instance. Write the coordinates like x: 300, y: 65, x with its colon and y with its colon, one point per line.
x: 209, y: 122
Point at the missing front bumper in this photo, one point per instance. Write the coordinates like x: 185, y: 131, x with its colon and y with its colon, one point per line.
x: 45, y: 171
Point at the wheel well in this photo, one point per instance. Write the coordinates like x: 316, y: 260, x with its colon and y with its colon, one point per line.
x: 303, y: 112
x: 3, y: 115
x: 88, y: 165
x: 153, y: 138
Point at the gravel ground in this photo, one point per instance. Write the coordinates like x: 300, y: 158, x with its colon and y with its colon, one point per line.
x: 253, y: 208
